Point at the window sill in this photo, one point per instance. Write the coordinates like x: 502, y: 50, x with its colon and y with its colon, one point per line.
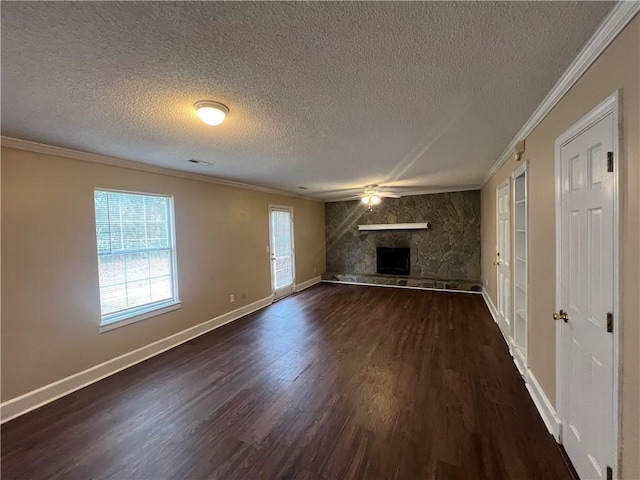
x: 112, y: 325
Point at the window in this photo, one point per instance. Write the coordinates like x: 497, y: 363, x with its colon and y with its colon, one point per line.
x: 136, y: 255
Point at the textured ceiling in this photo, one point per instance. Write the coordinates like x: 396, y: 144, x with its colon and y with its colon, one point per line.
x: 329, y: 96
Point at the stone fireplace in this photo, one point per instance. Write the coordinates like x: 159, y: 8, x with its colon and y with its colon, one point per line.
x: 447, y: 255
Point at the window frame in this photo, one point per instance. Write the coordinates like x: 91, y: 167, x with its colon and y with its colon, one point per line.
x: 131, y: 315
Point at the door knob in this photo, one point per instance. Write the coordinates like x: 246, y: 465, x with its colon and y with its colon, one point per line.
x: 561, y: 316
x: 497, y: 263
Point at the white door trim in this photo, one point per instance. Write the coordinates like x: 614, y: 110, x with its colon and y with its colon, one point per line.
x: 608, y: 106
x: 289, y: 209
x: 522, y: 169
x: 505, y: 327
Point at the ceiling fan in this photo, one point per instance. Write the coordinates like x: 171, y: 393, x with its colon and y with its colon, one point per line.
x: 372, y: 195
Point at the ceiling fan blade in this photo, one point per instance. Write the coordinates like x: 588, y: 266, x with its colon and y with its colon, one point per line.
x: 343, y: 191
x: 389, y: 195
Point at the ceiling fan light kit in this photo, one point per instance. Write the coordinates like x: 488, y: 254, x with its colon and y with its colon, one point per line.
x: 372, y: 196
x: 370, y: 200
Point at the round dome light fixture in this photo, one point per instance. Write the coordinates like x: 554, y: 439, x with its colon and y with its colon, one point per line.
x: 210, y: 112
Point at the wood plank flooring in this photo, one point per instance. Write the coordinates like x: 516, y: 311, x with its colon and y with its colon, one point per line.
x: 337, y: 382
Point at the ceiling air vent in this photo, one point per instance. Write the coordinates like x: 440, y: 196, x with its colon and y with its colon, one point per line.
x: 199, y: 162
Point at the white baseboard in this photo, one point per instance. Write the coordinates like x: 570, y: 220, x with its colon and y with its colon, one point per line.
x: 542, y: 403
x: 520, y: 361
x: 298, y: 287
x: 400, y: 286
x: 30, y: 401
x: 492, y: 308
x: 494, y: 313
x: 546, y: 410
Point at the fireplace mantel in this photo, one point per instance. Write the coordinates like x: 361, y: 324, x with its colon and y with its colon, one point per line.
x: 395, y: 226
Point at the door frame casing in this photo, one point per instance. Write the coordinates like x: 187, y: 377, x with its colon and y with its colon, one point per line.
x: 521, y: 169
x: 505, y: 328
x: 288, y: 208
x: 609, y: 106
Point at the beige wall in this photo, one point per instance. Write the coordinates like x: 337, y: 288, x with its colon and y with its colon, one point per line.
x: 50, y: 297
x: 617, y: 68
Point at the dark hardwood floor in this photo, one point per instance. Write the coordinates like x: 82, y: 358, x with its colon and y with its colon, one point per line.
x: 336, y: 382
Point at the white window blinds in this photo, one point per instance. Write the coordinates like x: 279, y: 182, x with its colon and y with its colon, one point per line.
x: 136, y: 258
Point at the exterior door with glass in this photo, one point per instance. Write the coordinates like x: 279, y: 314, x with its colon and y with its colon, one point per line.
x: 281, y: 250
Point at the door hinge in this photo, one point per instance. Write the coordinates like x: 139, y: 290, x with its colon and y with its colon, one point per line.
x: 609, y: 161
x: 609, y: 473
x: 609, y: 322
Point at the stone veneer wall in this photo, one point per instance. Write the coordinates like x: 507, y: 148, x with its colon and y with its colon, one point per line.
x: 447, y: 254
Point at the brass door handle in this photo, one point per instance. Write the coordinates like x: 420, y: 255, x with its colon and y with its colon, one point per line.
x: 496, y: 263
x: 561, y: 316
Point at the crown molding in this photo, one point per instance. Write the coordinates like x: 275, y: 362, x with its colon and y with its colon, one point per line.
x: 29, y: 146
x: 618, y: 18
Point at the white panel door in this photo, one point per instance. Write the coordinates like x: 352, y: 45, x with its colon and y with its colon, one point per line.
x: 282, y: 250
x: 586, y: 295
x: 503, y: 257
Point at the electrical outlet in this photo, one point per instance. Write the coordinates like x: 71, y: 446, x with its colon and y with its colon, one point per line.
x: 232, y: 298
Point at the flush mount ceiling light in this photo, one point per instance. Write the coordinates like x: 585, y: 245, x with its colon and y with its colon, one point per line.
x: 210, y: 112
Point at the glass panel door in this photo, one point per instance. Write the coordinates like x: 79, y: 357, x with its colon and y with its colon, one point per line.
x: 282, y: 250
